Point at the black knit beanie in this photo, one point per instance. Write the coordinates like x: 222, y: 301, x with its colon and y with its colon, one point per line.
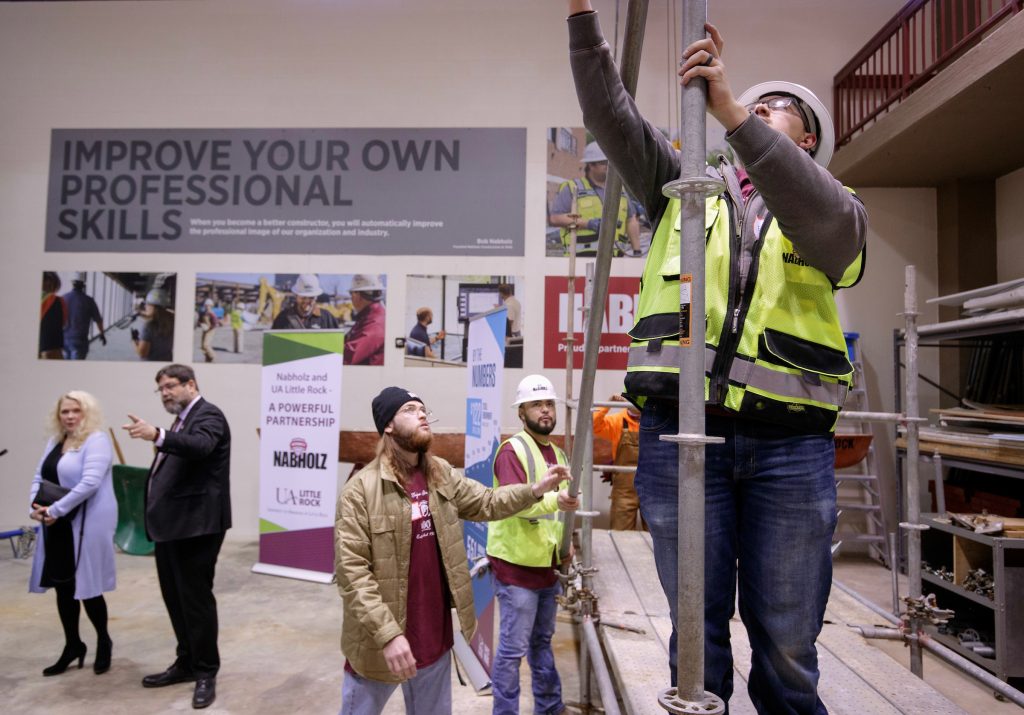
x: 387, y: 403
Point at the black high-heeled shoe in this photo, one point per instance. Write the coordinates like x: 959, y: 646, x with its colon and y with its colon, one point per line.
x: 66, y: 658
x: 104, y: 647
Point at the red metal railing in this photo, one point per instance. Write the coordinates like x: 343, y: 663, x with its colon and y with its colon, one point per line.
x: 912, y: 48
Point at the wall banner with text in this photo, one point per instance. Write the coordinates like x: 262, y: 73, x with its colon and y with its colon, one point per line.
x: 619, y: 318
x: 486, y: 352
x: 299, y: 423
x: 428, y: 192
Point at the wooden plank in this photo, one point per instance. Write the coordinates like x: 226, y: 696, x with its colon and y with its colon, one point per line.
x: 635, y: 552
x: 856, y: 677
x: 632, y: 657
x: 997, y: 454
x: 639, y: 665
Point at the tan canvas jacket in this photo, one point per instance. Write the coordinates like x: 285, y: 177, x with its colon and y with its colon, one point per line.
x: 372, y: 541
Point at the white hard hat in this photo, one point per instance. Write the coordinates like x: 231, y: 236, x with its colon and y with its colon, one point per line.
x: 821, y: 121
x: 80, y: 276
x: 362, y: 282
x: 534, y: 387
x: 593, y: 153
x: 159, y: 297
x: 307, y: 285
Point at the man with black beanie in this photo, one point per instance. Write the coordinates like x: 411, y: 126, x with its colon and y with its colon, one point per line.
x: 401, y: 564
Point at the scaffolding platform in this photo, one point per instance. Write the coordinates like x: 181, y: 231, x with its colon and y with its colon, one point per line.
x: 856, y: 677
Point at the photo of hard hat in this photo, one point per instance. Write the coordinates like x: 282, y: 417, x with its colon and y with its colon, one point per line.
x: 306, y: 285
x: 592, y: 153
x: 159, y: 297
x: 362, y: 283
x: 820, y: 119
x: 535, y: 387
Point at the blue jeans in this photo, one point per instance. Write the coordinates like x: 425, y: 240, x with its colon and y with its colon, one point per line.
x: 770, y: 512
x: 527, y: 624
x: 429, y: 692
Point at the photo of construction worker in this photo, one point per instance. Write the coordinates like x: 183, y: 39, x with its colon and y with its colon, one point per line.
x: 364, y: 342
x: 439, y: 308
x: 577, y: 173
x: 82, y: 314
x: 91, y: 315
x: 235, y: 304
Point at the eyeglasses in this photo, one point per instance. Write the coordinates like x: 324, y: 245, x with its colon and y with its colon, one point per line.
x: 167, y: 387
x: 783, y: 104
x: 415, y: 410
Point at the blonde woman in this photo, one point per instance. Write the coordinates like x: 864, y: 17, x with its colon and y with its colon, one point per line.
x: 76, y: 556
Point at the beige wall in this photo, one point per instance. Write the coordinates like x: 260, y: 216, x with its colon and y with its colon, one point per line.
x: 270, y: 63
x: 1010, y: 225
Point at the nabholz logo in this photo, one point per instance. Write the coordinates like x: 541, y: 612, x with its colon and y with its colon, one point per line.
x: 298, y: 458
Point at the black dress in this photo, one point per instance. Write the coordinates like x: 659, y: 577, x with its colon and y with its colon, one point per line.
x: 59, y: 541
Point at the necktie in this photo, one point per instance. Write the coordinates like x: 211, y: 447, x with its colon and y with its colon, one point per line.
x: 160, y: 455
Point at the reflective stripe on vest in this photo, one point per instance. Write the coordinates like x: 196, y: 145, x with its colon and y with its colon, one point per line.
x: 799, y: 385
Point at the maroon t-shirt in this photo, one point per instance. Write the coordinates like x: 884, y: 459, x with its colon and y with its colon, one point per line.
x: 509, y: 471
x: 428, y: 625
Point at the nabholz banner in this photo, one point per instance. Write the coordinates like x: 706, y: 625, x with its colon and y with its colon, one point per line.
x: 299, y: 425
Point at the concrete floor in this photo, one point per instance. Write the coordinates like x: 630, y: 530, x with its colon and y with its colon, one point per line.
x: 279, y: 642
x: 279, y: 646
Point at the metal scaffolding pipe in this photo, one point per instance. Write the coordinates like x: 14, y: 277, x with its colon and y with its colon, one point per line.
x: 879, y: 417
x: 636, y: 20
x: 951, y: 657
x: 691, y: 189
x: 913, y: 498
x: 609, y: 700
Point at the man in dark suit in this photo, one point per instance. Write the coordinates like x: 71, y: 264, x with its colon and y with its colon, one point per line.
x: 188, y: 509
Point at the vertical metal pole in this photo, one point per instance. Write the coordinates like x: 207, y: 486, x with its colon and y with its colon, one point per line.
x: 570, y: 329
x: 913, y: 498
x: 586, y: 438
x: 691, y: 190
x: 895, y: 570
x: 636, y: 19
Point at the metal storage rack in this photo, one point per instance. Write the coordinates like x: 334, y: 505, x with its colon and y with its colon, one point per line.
x: 953, y: 334
x: 945, y: 545
x: 960, y: 551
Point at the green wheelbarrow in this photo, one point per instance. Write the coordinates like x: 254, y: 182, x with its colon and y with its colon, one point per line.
x: 130, y: 490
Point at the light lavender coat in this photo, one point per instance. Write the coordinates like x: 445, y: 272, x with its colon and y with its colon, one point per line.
x: 87, y: 471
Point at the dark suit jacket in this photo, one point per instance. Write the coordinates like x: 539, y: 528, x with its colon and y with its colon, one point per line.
x: 188, y: 493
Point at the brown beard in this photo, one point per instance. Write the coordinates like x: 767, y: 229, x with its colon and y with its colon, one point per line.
x: 388, y: 453
x: 413, y: 441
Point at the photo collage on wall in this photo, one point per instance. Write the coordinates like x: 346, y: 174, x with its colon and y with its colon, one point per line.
x: 577, y: 172
x: 233, y: 310
x: 438, y: 310
x: 96, y: 315
x: 89, y: 315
